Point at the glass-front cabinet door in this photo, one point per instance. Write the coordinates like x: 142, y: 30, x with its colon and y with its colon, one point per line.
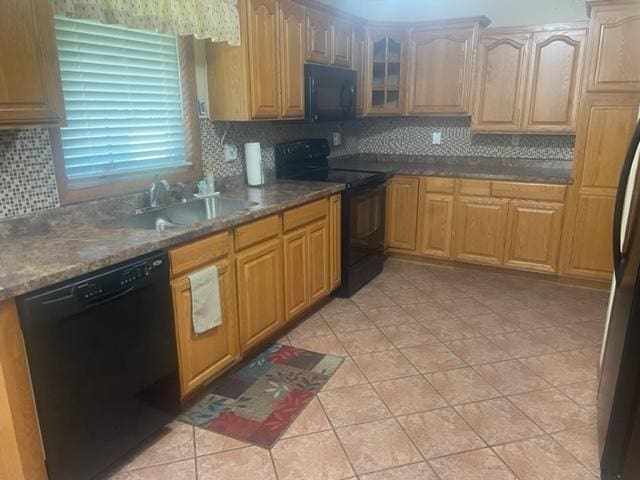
x: 386, y: 69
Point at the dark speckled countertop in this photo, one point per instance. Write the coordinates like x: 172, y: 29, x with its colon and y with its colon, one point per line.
x: 45, y: 248
x: 518, y: 169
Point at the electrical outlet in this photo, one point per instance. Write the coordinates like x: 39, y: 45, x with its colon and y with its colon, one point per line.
x: 337, y: 139
x: 436, y: 138
x: 230, y: 153
x: 202, y: 109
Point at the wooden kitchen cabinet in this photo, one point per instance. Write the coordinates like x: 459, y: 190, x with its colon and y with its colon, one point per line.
x: 292, y: 54
x: 435, y: 217
x: 501, y: 80
x: 528, y: 80
x: 441, y: 66
x: 605, y: 127
x: 360, y: 65
x: 402, y: 212
x: 555, y: 73
x: 307, y: 270
x: 335, y: 241
x: 260, y: 288
x: 263, y: 78
x: 30, y: 89
x: 319, y: 32
x: 480, y: 225
x: 533, y: 235
x: 386, y: 64
x: 201, y: 357
x: 342, y: 43
x: 264, y: 59
x: 613, y: 58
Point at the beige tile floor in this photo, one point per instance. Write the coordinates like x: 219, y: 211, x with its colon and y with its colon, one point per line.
x: 449, y: 374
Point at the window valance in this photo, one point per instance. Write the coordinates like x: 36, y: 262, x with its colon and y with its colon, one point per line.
x: 214, y: 19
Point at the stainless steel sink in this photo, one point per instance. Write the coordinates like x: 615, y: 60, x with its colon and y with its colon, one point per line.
x: 185, y: 214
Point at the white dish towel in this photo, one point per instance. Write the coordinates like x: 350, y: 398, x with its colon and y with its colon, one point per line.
x: 206, y: 312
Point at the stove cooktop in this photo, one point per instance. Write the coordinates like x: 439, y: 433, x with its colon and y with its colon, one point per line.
x: 351, y: 178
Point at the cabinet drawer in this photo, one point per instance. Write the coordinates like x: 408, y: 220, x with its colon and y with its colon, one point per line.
x: 256, y: 232
x: 439, y: 185
x: 475, y: 187
x: 192, y: 255
x: 299, y: 216
x: 529, y: 191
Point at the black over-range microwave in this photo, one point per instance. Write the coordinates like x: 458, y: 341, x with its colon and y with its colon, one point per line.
x: 330, y: 93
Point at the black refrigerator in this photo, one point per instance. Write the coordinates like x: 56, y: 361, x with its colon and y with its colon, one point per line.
x: 619, y: 387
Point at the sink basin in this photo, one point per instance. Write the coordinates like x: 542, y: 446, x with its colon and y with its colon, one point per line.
x: 185, y: 214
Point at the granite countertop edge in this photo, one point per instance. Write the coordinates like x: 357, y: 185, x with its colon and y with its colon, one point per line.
x: 157, y: 241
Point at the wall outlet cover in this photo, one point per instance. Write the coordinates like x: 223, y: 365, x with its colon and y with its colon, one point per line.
x: 436, y: 138
x: 230, y: 153
x: 337, y: 139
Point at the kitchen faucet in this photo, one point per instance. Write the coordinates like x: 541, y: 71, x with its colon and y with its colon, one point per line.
x: 154, y: 191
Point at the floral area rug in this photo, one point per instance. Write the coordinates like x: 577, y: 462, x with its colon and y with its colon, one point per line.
x: 257, y: 403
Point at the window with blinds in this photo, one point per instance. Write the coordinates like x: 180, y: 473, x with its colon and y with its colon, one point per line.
x: 122, y: 98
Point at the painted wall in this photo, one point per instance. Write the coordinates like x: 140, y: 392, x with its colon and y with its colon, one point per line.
x: 501, y: 12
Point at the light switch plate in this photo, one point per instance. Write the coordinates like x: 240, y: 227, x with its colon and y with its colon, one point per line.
x: 230, y: 153
x: 436, y: 138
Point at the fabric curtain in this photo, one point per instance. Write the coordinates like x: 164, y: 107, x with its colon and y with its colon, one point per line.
x: 214, y: 19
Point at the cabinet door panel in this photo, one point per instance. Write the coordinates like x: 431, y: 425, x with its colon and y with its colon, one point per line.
x: 296, y: 272
x: 386, y: 69
x: 608, y: 132
x: 533, y: 235
x: 403, y: 212
x: 318, y: 37
x: 591, y: 253
x: 479, y: 229
x: 441, y: 66
x: 361, y: 69
x: 554, y: 81
x: 30, y: 92
x: 342, y: 44
x: 335, y: 241
x: 261, y: 309
x: 501, y: 73
x: 435, y: 224
x: 292, y: 53
x: 203, y: 356
x: 318, y: 260
x: 614, y: 49
x: 263, y: 34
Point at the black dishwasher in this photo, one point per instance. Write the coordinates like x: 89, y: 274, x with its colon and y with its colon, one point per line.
x: 102, y: 356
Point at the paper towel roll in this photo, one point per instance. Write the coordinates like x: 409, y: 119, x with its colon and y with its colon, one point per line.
x: 253, y: 159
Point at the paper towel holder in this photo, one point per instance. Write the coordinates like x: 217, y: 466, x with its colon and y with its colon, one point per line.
x: 254, y: 165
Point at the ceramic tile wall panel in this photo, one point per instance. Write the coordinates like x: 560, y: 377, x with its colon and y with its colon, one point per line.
x: 413, y: 136
x: 27, y: 178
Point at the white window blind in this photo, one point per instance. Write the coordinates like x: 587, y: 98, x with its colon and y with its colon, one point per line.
x: 122, y: 98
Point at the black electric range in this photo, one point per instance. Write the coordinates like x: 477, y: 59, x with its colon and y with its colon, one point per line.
x: 363, y: 207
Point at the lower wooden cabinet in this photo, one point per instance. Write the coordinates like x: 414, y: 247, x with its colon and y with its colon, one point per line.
x: 435, y: 224
x: 319, y: 269
x: 402, y: 212
x: 533, y: 235
x: 335, y: 241
x: 260, y: 289
x: 296, y: 272
x: 480, y: 224
x: 202, y: 356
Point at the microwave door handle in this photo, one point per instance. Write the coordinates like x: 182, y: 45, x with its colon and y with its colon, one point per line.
x: 618, y: 255
x: 348, y: 88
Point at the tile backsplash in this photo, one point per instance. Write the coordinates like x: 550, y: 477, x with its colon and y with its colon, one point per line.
x: 27, y: 180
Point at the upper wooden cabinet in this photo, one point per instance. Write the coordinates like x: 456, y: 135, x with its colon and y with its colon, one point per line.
x: 440, y: 70
x: 554, y: 78
x: 501, y: 76
x: 342, y: 44
x: 292, y: 54
x: 528, y: 80
x: 30, y: 91
x: 386, y: 68
x: 318, y: 37
x: 264, y: 58
x: 613, y: 59
x: 263, y: 78
x: 360, y: 65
